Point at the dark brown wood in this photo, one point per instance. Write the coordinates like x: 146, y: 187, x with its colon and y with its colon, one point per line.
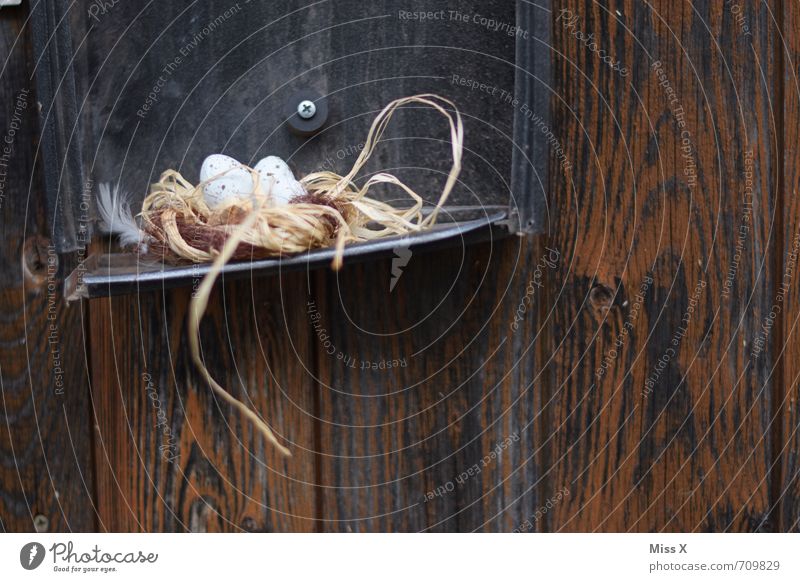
x: 46, y: 475
x: 493, y: 415
x: 786, y: 428
x: 692, y: 452
x: 412, y: 447
x: 169, y: 456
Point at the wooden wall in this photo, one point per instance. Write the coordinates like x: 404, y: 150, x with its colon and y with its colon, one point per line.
x: 46, y: 447
x: 650, y: 383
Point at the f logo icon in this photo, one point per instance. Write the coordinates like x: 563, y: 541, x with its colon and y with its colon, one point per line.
x: 31, y: 555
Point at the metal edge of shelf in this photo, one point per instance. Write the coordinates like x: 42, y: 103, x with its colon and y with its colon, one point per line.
x: 88, y: 284
x: 531, y: 150
x: 60, y: 141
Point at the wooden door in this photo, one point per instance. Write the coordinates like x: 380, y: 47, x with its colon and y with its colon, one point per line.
x: 631, y: 369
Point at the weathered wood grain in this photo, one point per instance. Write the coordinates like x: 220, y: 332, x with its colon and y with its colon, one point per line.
x: 691, y: 452
x: 786, y: 428
x: 46, y: 473
x: 445, y: 441
x: 169, y: 456
x: 485, y: 353
x: 361, y: 59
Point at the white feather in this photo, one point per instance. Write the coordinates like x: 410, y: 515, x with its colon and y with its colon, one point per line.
x: 116, y: 217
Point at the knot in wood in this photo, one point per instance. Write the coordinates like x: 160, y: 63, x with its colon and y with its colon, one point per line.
x: 601, y: 298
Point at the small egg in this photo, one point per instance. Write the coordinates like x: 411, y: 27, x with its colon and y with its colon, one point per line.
x: 226, y: 180
x: 278, y: 180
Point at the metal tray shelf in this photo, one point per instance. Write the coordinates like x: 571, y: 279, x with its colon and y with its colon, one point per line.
x: 105, y: 274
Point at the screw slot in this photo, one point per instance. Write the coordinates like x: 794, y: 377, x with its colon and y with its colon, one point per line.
x: 306, y: 113
x: 306, y: 109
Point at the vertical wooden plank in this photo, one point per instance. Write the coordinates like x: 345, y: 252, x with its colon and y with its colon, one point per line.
x: 170, y: 457
x: 428, y: 400
x: 787, y: 426
x: 428, y: 405
x: 662, y: 409
x: 45, y: 439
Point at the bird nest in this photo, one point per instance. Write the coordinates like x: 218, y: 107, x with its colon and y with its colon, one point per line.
x: 178, y: 226
x: 181, y: 227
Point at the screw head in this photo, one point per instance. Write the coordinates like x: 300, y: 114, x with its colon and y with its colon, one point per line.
x: 40, y: 523
x: 306, y: 109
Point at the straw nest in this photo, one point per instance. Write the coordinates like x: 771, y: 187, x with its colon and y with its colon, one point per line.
x: 178, y: 226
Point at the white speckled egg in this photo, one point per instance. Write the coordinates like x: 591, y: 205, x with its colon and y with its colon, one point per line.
x: 229, y: 180
x: 277, y: 178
